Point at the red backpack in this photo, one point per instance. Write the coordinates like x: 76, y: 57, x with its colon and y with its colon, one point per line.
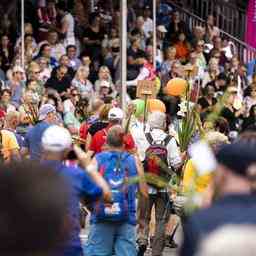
x: 156, y: 159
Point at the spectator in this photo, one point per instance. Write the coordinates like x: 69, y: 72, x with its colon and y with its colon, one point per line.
x: 61, y: 82
x: 32, y: 143
x: 74, y: 62
x: 81, y: 82
x: 6, y: 53
x: 148, y: 22
x: 16, y: 85
x: 211, y: 30
x: 169, y: 60
x: 135, y: 58
x: 67, y: 25
x: 182, y: 48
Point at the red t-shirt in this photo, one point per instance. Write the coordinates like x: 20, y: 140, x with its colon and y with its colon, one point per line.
x: 100, y: 137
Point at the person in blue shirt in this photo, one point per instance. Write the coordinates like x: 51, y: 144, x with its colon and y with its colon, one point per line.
x: 56, y: 143
x: 32, y: 142
x: 113, y: 225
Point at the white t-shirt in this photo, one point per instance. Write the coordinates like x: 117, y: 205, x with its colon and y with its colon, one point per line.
x: 148, y: 27
x: 70, y: 35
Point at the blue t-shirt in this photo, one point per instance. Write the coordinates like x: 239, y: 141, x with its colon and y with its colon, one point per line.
x: 128, y: 162
x: 33, y: 140
x: 81, y: 187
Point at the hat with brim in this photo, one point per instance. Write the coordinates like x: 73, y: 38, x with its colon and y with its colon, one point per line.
x: 45, y: 110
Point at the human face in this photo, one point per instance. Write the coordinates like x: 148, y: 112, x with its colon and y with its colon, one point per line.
x: 61, y: 73
x: 47, y: 51
x: 51, y: 117
x: 210, y: 20
x: 53, y: 38
x: 71, y: 52
x: 64, y: 60
x: 104, y: 74
x: 75, y: 96
x: 171, y: 53
x: 34, y: 74
x: 6, y: 97
x: 5, y: 41
x: 18, y: 76
x: 210, y: 91
x: 217, y: 43
x: 182, y: 37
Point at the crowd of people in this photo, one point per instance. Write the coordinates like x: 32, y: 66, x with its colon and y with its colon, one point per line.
x: 61, y: 111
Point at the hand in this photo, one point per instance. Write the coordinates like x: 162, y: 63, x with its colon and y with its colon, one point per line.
x: 82, y: 156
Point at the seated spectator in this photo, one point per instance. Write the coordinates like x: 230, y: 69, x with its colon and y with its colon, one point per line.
x: 45, y: 69
x: 250, y: 119
x: 6, y: 52
x: 212, y: 73
x: 60, y: 82
x: 170, y: 57
x: 57, y: 48
x: 135, y: 58
x: 45, y: 51
x: 182, y: 48
x: 5, y: 101
x: 71, y: 52
x: 104, y: 75
x: 16, y: 85
x: 250, y: 100
x: 207, y: 102
x: 81, y: 82
x: 64, y: 61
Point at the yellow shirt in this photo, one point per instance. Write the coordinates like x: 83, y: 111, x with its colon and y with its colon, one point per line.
x: 9, y: 143
x: 191, y: 180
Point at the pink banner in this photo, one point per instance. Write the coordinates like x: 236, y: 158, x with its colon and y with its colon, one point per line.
x: 251, y: 23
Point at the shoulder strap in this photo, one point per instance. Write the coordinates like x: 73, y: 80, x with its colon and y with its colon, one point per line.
x: 167, y: 140
x: 149, y: 138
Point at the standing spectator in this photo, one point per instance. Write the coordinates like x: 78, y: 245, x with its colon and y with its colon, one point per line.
x: 67, y: 25
x: 211, y: 30
x: 93, y: 35
x: 114, y: 225
x: 176, y: 27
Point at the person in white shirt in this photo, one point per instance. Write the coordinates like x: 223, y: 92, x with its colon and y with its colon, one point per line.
x: 157, y: 197
x: 67, y: 24
x: 148, y: 22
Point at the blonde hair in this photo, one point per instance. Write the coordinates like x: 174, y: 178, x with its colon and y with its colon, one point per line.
x: 80, y: 70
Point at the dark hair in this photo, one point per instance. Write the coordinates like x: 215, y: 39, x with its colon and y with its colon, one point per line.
x: 251, y: 112
x: 61, y: 5
x: 34, y: 198
x: 43, y: 46
x: 5, y: 91
x: 92, y: 17
x: 70, y: 46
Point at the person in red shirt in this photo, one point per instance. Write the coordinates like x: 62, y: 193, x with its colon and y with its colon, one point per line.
x: 115, y: 116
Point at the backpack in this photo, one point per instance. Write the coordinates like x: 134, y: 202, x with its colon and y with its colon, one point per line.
x: 156, y: 158
x: 113, y: 169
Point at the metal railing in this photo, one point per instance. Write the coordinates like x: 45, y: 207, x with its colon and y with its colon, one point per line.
x: 245, y: 52
x: 229, y: 17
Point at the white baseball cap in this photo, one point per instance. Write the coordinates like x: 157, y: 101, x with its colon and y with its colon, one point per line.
x: 56, y: 139
x: 116, y: 114
x: 162, y: 29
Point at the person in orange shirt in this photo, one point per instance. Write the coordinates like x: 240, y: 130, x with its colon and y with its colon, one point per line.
x: 182, y: 48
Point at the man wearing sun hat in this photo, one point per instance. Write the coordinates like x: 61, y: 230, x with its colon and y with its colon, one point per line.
x: 32, y: 143
x: 235, y: 205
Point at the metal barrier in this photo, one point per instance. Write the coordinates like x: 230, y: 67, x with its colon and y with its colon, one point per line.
x: 245, y: 52
x: 229, y: 17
